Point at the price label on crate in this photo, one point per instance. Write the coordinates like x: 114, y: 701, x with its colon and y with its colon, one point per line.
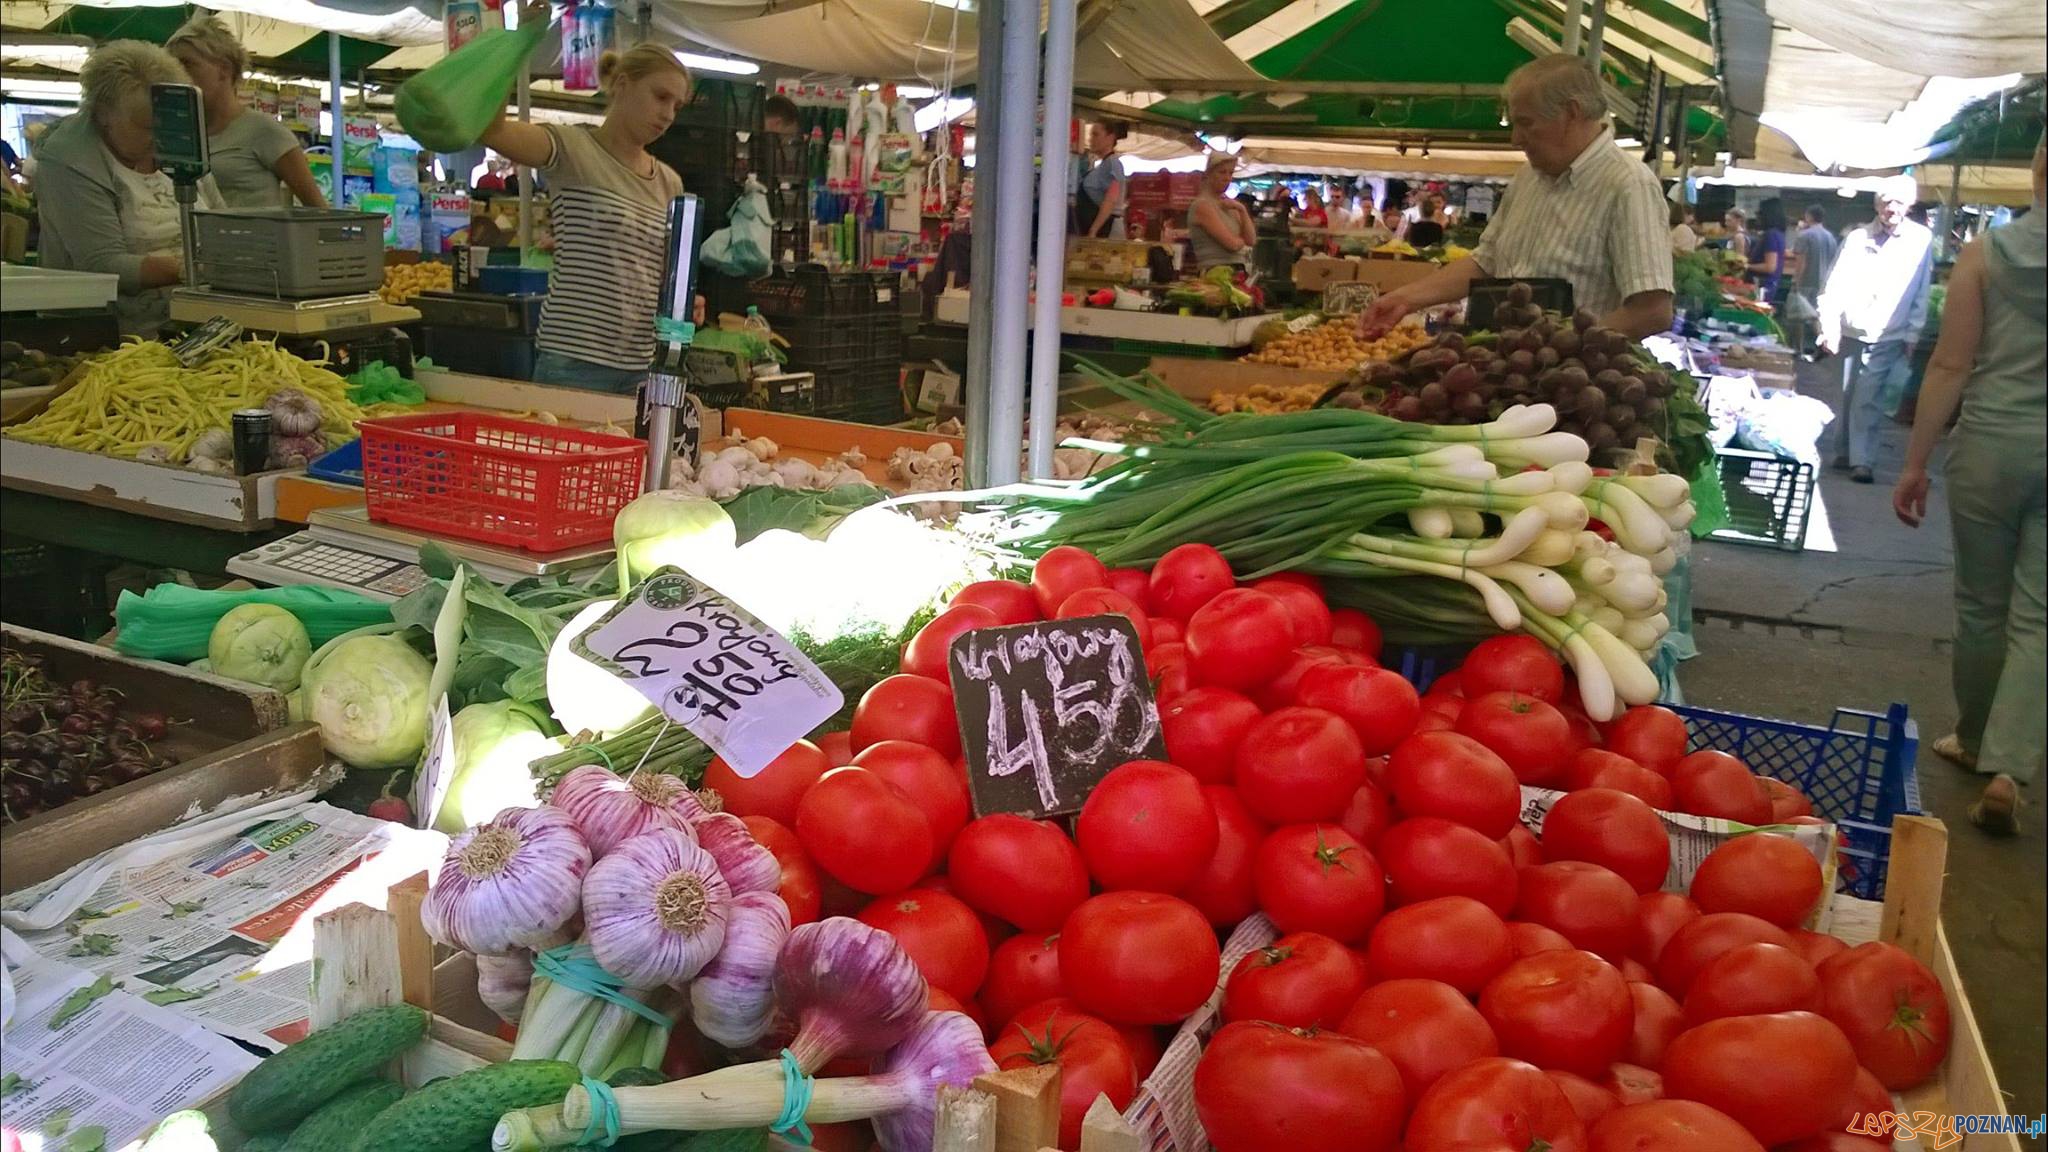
x: 713, y: 667
x: 1046, y: 710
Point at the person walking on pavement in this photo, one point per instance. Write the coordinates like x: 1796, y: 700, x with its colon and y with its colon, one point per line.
x: 1871, y: 312
x: 1813, y: 257
x: 1992, y: 359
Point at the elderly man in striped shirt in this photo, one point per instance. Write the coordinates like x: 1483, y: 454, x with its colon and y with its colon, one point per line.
x: 1580, y: 210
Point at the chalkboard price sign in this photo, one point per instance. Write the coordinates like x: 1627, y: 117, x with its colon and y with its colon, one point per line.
x: 1047, y: 709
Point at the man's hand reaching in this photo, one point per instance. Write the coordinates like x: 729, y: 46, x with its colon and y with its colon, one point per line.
x: 1380, y: 318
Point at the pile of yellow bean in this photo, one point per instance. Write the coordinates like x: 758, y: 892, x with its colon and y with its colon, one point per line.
x: 139, y: 395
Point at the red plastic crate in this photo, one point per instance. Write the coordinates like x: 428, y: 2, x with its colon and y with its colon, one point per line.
x: 502, y: 481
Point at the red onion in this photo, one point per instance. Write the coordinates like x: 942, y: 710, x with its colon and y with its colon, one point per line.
x: 513, y: 882
x: 655, y: 909
x: 850, y: 987
x: 944, y: 1048
x: 608, y: 810
x: 732, y: 1000
x: 746, y: 866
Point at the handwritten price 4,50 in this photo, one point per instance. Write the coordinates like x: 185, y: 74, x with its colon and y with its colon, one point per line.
x: 1939, y: 1128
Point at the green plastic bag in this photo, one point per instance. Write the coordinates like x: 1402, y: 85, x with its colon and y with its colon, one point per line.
x: 448, y: 106
x: 173, y: 622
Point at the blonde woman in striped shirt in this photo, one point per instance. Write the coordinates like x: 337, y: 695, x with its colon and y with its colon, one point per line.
x: 1580, y: 210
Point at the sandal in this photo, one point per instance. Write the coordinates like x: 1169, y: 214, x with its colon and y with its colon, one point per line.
x: 1950, y: 748
x: 1997, y: 810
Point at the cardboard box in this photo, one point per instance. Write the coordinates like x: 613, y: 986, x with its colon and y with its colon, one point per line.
x: 1318, y: 272
x: 1387, y: 275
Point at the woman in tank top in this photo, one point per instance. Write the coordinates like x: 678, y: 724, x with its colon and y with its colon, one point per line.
x: 1220, y: 230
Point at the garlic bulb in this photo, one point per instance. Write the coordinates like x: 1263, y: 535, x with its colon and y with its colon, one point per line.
x: 732, y: 1001
x: 502, y: 982
x: 655, y: 909
x: 745, y: 864
x: 851, y: 988
x: 513, y: 882
x: 607, y: 809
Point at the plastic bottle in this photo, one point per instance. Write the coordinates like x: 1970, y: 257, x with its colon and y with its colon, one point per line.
x: 835, y: 164
x: 856, y: 163
x: 817, y: 155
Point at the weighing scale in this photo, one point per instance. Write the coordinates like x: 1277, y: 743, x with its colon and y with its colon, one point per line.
x: 344, y: 548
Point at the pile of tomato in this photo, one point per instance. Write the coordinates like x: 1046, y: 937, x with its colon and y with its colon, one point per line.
x: 1444, y: 979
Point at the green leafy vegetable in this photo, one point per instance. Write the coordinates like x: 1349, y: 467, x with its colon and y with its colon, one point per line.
x: 91, y: 1138
x: 79, y: 1001
x: 814, y: 514
x: 11, y: 1083
x: 56, y: 1124
x: 163, y: 996
x: 184, y: 908
x: 94, y: 944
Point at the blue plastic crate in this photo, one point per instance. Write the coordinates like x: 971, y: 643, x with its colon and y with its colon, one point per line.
x: 344, y: 465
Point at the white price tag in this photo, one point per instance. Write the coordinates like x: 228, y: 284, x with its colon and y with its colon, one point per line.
x: 430, y: 783
x: 1304, y: 322
x: 713, y: 667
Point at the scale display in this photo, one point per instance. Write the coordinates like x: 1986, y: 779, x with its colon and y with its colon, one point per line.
x: 302, y: 559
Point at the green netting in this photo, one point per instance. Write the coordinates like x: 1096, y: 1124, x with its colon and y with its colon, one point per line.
x: 448, y: 106
x: 173, y: 622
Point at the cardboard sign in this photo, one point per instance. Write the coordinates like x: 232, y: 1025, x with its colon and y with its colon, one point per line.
x: 430, y: 783
x: 1046, y: 710
x: 711, y: 666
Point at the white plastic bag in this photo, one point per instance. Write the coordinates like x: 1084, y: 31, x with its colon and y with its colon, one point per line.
x: 741, y: 248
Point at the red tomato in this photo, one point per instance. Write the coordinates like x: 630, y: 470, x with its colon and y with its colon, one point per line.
x: 1633, y: 1083
x: 1770, y: 877
x: 1167, y: 630
x: 1838, y: 1142
x: 1260, y: 1088
x: 1786, y: 801
x: 1455, y: 940
x: 1301, y: 980
x: 1816, y: 948
x: 1278, y: 692
x: 1426, y: 1028
x: 1427, y: 857
x: 936, y: 785
x: 1188, y: 577
x: 1495, y: 1104
x: 1304, y: 605
x: 1369, y: 814
x: 1600, y: 768
x: 1590, y: 905
x: 1588, y: 1099
x: 1658, y: 915
x: 1223, y: 889
x: 1172, y: 682
x: 1651, y: 735
x: 1450, y: 684
x: 1457, y: 778
x: 1704, y: 937
x: 1316, y: 878
x: 937, y: 999
x: 1024, y: 872
x: 837, y: 747
x: 864, y: 831
x: 1146, y: 826
x: 799, y: 884
x: 1753, y: 980
x: 773, y: 791
x: 1022, y: 971
x: 1240, y: 639
x: 1892, y: 1009
x: 1012, y: 603
x: 1869, y: 1097
x: 1380, y: 706
x: 927, y: 652
x: 1060, y: 573
x: 1106, y: 602
x: 1513, y: 664
x: 1432, y: 721
x: 1585, y: 733
x: 1531, y: 736
x: 1658, y: 1021
x: 914, y: 708
x: 1138, y: 957
x: 1203, y: 728
x: 1568, y: 1010
x: 1522, y: 847
x: 941, y: 935
x: 1717, y: 784
x: 1134, y: 583
x: 1092, y: 1058
x: 1297, y: 765
x: 1635, y: 971
x: 1350, y: 628
x: 1146, y: 1049
x: 1670, y: 1126
x: 1612, y: 829
x: 1529, y: 939
x: 1783, y: 1076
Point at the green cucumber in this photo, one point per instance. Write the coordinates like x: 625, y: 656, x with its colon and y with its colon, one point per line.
x: 458, y: 1114
x: 264, y: 1142
x: 288, y: 1086
x: 337, y: 1124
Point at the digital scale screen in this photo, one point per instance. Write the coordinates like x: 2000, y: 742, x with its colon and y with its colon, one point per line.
x: 178, y: 129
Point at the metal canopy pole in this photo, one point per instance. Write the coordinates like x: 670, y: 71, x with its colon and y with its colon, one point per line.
x: 1008, y: 346
x: 1052, y: 234
x: 1573, y: 11
x: 1597, y: 33
x: 525, y: 173
x: 981, y: 238
x: 334, y: 134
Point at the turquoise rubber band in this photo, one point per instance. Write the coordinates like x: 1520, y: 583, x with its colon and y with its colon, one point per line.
x: 601, y: 755
x: 796, y: 1100
x: 603, y: 1129
x: 575, y: 967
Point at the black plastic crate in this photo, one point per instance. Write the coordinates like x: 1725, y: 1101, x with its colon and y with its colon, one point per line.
x: 1769, y: 499
x: 815, y: 345
x: 812, y: 291
x: 716, y: 103
x: 481, y: 351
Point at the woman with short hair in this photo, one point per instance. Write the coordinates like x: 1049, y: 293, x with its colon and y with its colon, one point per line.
x: 254, y: 159
x: 103, y: 204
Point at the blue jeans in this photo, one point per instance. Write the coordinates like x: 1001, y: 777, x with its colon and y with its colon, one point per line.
x: 1873, y: 376
x: 569, y: 372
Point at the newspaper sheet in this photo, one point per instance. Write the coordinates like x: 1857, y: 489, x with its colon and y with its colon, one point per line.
x: 223, y: 931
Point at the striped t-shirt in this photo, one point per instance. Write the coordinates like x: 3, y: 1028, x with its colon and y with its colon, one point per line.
x: 610, y: 226
x: 1603, y: 225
